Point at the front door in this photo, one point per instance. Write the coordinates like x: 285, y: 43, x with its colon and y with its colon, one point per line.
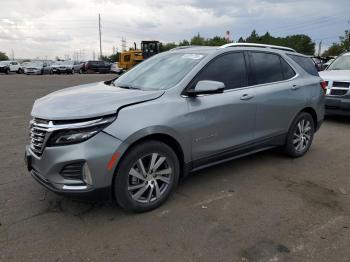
x: 221, y: 123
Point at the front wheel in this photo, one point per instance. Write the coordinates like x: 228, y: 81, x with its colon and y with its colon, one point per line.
x: 146, y: 177
x: 300, y: 135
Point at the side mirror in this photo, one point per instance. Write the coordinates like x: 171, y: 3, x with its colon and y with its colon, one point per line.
x: 206, y: 87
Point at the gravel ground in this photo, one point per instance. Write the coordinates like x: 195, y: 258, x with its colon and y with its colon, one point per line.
x: 264, y: 207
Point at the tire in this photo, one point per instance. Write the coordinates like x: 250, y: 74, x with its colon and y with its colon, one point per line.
x: 150, y: 190
x: 7, y: 71
x: 300, y: 135
x: 80, y: 71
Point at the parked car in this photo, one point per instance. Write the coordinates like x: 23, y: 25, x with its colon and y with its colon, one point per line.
x: 337, y: 77
x: 116, y: 69
x: 101, y: 67
x: 330, y: 61
x: 177, y: 112
x: 24, y: 65
x: 38, y: 68
x: 66, y: 67
x: 10, y: 66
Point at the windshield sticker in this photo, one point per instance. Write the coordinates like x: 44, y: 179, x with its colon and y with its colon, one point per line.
x: 192, y: 56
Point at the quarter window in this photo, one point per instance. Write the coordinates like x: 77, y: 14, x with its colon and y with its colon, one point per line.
x: 229, y: 69
x: 288, y: 72
x: 306, y: 63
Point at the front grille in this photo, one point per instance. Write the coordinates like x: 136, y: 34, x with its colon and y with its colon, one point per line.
x: 341, y: 84
x: 337, y: 88
x: 38, y: 135
x: 337, y: 92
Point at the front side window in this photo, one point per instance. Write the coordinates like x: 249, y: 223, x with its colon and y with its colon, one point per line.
x: 228, y: 68
x: 267, y: 67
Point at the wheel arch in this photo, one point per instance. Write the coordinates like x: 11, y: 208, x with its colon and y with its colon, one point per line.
x: 313, y: 113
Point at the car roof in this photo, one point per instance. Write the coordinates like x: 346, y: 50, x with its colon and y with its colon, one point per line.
x: 235, y: 46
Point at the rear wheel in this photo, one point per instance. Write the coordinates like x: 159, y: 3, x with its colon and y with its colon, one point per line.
x: 300, y: 135
x: 7, y: 71
x: 146, y: 177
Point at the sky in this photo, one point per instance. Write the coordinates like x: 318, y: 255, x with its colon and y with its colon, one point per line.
x: 69, y: 28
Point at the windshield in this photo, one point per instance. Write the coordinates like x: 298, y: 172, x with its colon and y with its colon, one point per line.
x: 36, y: 63
x: 159, y: 72
x: 67, y: 63
x: 4, y: 62
x: 341, y: 63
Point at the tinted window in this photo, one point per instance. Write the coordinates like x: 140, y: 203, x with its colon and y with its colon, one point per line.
x: 306, y: 63
x: 267, y: 67
x: 229, y: 69
x: 288, y: 72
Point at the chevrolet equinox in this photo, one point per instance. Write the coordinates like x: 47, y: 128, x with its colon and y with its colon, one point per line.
x: 132, y: 138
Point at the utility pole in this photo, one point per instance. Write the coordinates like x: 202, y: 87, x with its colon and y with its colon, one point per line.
x: 99, y: 30
x: 123, y: 44
x: 319, y: 48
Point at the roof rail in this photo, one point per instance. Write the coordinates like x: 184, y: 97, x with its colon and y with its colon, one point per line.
x: 258, y: 45
x: 182, y: 47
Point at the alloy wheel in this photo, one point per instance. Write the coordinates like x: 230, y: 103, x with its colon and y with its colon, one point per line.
x: 302, y: 135
x: 149, y: 178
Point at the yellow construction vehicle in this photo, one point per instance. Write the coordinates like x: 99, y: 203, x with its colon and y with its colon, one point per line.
x: 128, y: 59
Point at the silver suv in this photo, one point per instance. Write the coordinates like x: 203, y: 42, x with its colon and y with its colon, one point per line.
x: 133, y: 138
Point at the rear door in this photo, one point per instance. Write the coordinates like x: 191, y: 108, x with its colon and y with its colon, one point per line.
x: 279, y: 94
x: 221, y: 123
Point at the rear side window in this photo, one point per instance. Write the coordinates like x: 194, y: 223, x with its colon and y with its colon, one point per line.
x: 287, y: 71
x: 267, y: 67
x: 306, y: 63
x: 228, y: 68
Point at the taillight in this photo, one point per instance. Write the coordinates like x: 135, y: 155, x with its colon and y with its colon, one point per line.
x: 324, y: 85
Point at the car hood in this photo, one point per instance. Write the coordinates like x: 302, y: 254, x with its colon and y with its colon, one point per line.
x: 87, y: 101
x: 335, y: 75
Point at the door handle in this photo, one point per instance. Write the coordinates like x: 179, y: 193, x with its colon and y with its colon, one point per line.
x: 247, y: 96
x: 295, y: 87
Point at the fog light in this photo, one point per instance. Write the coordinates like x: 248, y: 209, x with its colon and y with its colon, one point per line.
x: 87, y: 174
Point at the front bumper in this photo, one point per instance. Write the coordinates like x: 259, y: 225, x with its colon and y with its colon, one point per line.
x: 95, y: 152
x: 32, y: 71
x: 3, y: 69
x: 338, y: 105
x: 61, y: 70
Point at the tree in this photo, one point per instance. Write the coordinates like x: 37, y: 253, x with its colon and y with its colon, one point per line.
x: 3, y: 56
x: 184, y: 43
x: 301, y: 43
x: 112, y: 58
x: 334, y: 50
x: 338, y: 48
x: 216, y: 41
x: 198, y: 40
x: 167, y: 46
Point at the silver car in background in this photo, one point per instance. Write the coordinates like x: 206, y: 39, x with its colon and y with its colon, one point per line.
x: 180, y: 111
x: 337, y: 78
x: 67, y: 67
x: 38, y: 68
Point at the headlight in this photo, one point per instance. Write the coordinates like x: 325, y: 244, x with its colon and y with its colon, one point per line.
x: 73, y: 133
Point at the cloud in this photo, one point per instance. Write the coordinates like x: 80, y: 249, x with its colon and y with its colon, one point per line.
x: 59, y: 27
